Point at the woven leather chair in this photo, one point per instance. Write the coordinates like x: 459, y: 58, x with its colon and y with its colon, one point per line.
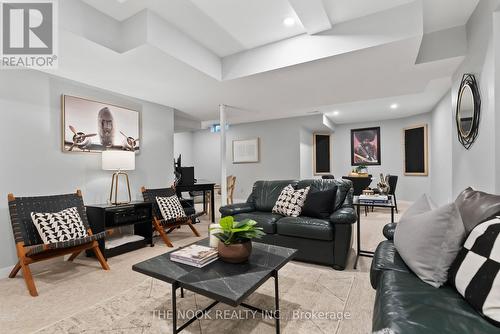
x: 29, y: 245
x: 161, y: 224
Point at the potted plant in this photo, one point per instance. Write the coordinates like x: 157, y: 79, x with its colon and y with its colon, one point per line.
x: 235, y: 238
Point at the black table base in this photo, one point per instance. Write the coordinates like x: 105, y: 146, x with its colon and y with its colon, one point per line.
x: 361, y: 252
x: 199, y: 314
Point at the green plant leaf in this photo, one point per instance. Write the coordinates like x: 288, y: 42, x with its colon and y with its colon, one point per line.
x: 226, y: 223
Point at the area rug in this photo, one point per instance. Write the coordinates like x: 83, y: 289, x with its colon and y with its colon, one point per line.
x: 314, y: 299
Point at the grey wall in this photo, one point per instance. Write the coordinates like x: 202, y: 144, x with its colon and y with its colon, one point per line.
x: 441, y: 148
x: 32, y: 160
x: 183, y: 144
x: 286, y: 153
x: 279, y: 153
x: 391, y: 141
x: 476, y: 166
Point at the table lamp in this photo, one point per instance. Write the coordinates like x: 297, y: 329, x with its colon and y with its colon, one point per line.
x: 118, y: 161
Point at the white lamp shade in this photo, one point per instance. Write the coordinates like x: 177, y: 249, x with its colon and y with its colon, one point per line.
x: 118, y: 160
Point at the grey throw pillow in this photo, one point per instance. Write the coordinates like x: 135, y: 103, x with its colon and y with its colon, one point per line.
x: 423, y: 204
x: 429, y: 242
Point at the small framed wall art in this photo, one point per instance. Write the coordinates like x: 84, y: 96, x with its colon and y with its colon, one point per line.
x: 246, y: 151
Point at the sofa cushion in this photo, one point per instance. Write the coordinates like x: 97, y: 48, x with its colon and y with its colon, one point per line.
x: 477, y: 207
x: 319, y: 203
x: 265, y: 193
x: 305, y: 227
x: 386, y: 257
x: 343, y: 188
x: 430, y: 241
x: 266, y: 220
x: 407, y: 305
x: 290, y: 201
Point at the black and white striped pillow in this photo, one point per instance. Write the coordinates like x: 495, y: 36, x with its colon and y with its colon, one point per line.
x: 59, y: 226
x: 170, y: 207
x: 290, y: 201
x: 476, y: 270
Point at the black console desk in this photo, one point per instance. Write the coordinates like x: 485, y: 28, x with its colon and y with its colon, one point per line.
x: 104, y: 217
x: 203, y: 186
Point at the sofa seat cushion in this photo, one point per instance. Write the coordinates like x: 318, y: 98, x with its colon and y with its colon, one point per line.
x: 305, y: 227
x: 386, y: 258
x: 408, y: 305
x: 266, y: 220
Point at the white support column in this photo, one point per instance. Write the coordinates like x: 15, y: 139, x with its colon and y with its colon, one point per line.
x: 223, y: 174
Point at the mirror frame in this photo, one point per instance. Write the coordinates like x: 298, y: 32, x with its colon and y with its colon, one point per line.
x: 468, y: 80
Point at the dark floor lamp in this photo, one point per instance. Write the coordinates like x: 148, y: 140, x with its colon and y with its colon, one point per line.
x: 118, y: 161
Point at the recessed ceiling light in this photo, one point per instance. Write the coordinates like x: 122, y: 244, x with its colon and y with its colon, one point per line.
x: 336, y: 113
x: 289, y: 21
x: 394, y: 106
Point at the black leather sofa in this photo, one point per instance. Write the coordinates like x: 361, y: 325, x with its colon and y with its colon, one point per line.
x: 407, y: 305
x: 318, y: 241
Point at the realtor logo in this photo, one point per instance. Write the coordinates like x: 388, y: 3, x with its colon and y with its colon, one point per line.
x: 28, y: 33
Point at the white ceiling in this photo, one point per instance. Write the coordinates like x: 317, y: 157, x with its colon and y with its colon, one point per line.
x: 367, y: 65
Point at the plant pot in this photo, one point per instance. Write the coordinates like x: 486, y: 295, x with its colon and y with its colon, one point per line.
x: 235, y: 253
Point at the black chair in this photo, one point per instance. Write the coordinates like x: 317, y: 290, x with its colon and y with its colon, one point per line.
x: 359, y: 184
x: 393, y: 182
x: 161, y: 224
x: 328, y: 177
x: 29, y: 245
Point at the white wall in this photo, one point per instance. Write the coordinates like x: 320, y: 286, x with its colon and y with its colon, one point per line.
x: 441, y: 145
x: 183, y: 144
x: 32, y: 160
x: 391, y: 141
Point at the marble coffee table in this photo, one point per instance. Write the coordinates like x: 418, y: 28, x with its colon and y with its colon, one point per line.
x: 223, y: 282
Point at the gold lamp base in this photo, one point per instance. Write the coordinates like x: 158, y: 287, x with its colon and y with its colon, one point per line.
x: 114, y: 188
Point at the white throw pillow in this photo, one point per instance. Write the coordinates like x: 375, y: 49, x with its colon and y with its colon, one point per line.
x: 170, y: 207
x: 429, y: 242
x: 423, y: 204
x: 59, y: 226
x: 476, y: 270
x: 291, y: 201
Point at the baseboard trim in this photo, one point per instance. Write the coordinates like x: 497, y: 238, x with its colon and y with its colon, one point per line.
x: 4, y: 272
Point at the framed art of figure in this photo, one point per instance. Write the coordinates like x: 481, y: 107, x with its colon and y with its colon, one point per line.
x: 365, y: 146
x: 245, y: 151
x: 91, y: 126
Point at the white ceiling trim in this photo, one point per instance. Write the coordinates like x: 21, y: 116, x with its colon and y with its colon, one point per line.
x: 312, y: 14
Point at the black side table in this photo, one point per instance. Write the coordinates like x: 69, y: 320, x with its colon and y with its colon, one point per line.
x: 358, y: 206
x: 104, y: 217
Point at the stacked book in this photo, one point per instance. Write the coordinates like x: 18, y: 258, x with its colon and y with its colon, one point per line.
x: 374, y: 199
x: 195, y: 255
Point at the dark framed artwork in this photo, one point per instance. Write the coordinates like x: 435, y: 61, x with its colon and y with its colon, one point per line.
x: 416, y: 150
x: 321, y: 154
x: 365, y: 147
x: 92, y: 126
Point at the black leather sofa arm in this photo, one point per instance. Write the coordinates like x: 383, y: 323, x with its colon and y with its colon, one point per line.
x: 234, y: 209
x: 343, y: 216
x: 389, y: 230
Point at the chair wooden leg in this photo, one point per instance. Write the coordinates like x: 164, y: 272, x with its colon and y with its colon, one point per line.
x: 15, y: 270
x: 162, y: 233
x: 28, y: 278
x: 100, y: 257
x: 73, y: 256
x: 195, y: 231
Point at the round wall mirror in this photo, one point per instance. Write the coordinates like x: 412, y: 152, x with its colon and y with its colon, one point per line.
x: 468, y: 111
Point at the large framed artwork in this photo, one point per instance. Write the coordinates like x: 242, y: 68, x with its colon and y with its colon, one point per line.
x: 246, y: 151
x: 365, y: 146
x: 91, y: 126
